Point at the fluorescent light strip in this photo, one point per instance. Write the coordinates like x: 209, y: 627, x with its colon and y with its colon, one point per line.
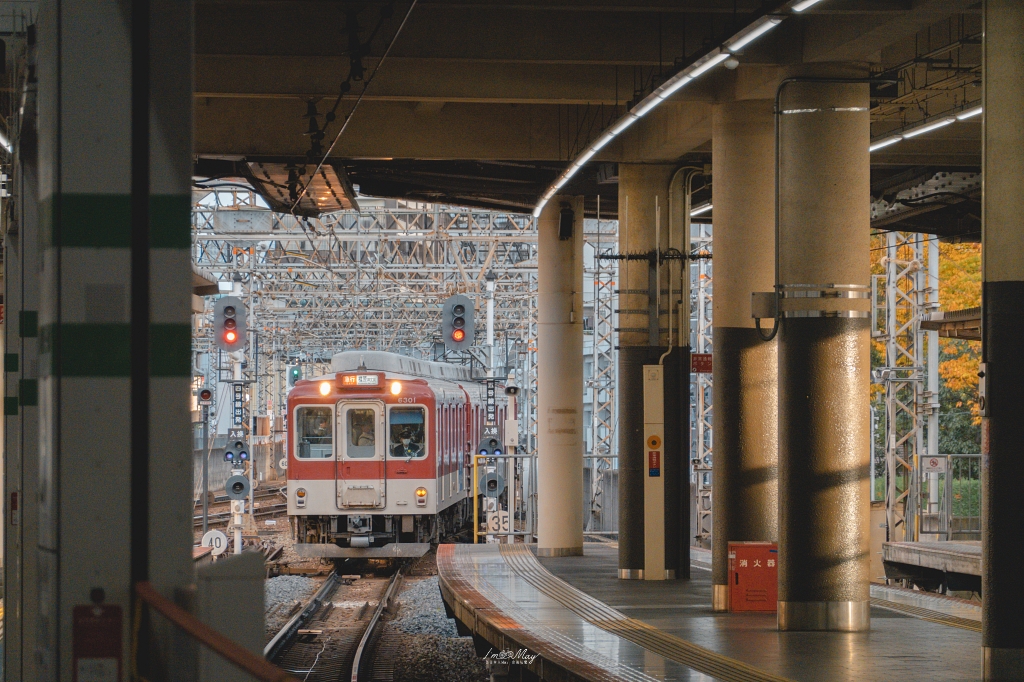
x: 629, y: 120
x: 712, y: 60
x: 700, y: 209
x: 969, y: 113
x: 5, y: 143
x: 801, y: 6
x: 753, y: 35
x: 914, y: 132
x: 709, y: 64
x: 602, y: 141
x: 671, y: 86
x: 885, y: 142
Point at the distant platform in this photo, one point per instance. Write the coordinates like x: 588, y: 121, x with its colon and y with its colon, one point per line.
x: 935, y: 565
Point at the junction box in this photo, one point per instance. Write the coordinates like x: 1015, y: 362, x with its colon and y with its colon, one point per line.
x: 753, y: 576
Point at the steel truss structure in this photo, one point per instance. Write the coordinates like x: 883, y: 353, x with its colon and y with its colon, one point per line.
x: 701, y: 293
x: 902, y: 297
x: 370, y: 280
x: 603, y: 237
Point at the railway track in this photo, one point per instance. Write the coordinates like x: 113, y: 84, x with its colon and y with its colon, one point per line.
x: 221, y: 512
x: 330, y: 640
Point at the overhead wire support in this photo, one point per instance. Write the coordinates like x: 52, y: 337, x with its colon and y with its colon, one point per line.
x: 352, y: 111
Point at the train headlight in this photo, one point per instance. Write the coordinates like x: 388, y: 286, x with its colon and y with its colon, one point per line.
x: 300, y: 497
x: 421, y: 497
x: 325, y: 387
x: 396, y: 387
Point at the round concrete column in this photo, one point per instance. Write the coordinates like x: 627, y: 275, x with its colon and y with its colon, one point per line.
x: 824, y: 361
x: 643, y: 329
x: 1002, y: 441
x: 745, y: 500
x: 560, y: 381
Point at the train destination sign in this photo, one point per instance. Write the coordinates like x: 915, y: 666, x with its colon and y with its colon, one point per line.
x: 360, y: 380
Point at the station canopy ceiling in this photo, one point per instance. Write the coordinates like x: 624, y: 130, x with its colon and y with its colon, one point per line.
x: 483, y: 103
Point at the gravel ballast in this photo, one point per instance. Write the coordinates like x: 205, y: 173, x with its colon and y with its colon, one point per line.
x: 281, y: 593
x: 431, y: 648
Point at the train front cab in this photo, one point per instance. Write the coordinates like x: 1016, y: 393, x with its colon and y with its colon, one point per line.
x: 360, y: 462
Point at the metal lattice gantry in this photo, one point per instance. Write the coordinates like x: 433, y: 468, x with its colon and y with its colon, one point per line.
x: 369, y: 280
x: 902, y: 297
x: 372, y: 279
x: 701, y: 292
x: 602, y: 236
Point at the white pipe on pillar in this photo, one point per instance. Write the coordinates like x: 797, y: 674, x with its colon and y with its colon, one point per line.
x: 560, y: 381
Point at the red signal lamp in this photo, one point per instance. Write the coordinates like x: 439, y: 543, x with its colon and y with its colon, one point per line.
x: 458, y: 335
x: 230, y: 336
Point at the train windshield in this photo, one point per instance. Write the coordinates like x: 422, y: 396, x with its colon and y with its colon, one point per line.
x: 315, y: 432
x: 408, y: 432
x: 362, y: 433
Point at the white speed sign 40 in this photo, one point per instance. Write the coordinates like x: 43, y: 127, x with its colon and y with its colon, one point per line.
x: 216, y: 539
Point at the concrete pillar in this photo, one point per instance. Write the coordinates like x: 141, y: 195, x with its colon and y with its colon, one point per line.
x: 114, y: 334
x: 560, y: 381
x: 645, y: 295
x: 21, y: 404
x: 824, y: 361
x: 745, y: 500
x: 1002, y: 441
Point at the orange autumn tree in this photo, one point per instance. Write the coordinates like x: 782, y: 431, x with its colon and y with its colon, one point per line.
x: 959, y: 288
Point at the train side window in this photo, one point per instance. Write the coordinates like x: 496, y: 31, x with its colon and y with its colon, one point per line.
x: 407, y: 426
x: 315, y: 437
x: 362, y: 433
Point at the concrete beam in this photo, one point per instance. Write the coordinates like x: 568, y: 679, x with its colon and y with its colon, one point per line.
x: 272, y: 127
x: 412, y: 80
x: 861, y: 37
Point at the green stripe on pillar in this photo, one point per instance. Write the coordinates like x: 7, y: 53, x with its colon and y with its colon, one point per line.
x: 10, y: 406
x: 103, y: 350
x: 28, y: 324
x: 170, y: 222
x: 11, y: 362
x: 28, y: 392
x: 94, y: 350
x: 103, y: 221
x: 170, y: 350
x: 95, y: 220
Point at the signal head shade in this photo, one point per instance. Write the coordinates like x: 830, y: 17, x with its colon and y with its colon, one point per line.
x: 457, y: 322
x: 229, y: 323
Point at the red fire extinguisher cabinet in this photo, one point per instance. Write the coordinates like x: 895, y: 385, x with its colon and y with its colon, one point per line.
x: 753, y: 576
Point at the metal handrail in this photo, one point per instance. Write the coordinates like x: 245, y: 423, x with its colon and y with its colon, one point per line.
x: 224, y: 647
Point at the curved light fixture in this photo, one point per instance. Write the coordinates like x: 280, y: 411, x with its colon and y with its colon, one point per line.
x: 925, y: 128
x: 748, y: 34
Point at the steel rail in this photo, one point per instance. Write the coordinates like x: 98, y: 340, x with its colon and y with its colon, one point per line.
x: 364, y: 641
x: 290, y: 628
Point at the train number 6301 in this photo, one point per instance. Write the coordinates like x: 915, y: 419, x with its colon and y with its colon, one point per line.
x: 407, y: 400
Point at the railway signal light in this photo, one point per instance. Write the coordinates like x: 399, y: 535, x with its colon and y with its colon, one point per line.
x: 294, y: 374
x: 205, y: 396
x: 229, y: 323
x: 457, y: 322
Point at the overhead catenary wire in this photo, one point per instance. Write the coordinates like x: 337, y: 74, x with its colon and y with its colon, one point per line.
x: 352, y: 111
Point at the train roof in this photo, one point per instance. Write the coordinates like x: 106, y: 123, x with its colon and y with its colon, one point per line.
x: 382, y: 361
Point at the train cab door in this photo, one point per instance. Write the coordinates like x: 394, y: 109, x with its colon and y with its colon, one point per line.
x: 361, y: 476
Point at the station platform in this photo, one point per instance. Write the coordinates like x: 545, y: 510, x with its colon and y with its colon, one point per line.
x: 955, y: 565
x: 583, y: 623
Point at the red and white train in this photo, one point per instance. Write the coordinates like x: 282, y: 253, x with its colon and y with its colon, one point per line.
x: 379, y: 450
